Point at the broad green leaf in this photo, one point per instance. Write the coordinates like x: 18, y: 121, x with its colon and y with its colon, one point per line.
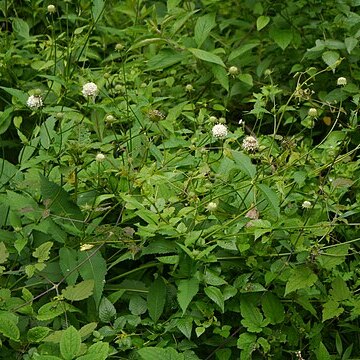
x: 7, y: 171
x: 333, y: 256
x: 164, y: 59
x: 87, y: 329
x: 154, y: 353
x: 107, y: 310
x: 79, y: 291
x: 247, y: 79
x: 339, y: 291
x: 330, y: 57
x: 93, y: 266
x: 37, y: 334
x: 216, y: 296
x: 350, y: 44
x: 273, y: 308
x: 187, y: 289
x: 281, y: 37
x: 97, y: 9
x: 331, y: 309
x: 100, y: 349
x: 221, y: 76
x: 261, y: 22
x: 18, y: 94
x: 246, y: 343
x: 322, y: 353
x: 242, y: 50
x: 185, y: 326
x: 52, y: 309
x: 156, y: 298
x: 272, y: 199
x: 23, y: 205
x: 206, y: 56
x: 211, y: 278
x: 70, y: 343
x: 21, y: 27
x: 46, y: 357
x: 137, y: 305
x: 244, y: 163
x: 159, y: 246
x: 203, y: 26
x: 8, y: 326
x: 252, y: 317
x: 42, y: 253
x: 4, y: 254
x: 68, y: 263
x: 47, y: 132
x: 301, y: 277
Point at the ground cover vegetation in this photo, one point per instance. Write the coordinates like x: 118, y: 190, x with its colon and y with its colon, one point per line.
x: 179, y: 179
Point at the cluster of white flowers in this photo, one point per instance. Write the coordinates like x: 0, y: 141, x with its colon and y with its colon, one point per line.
x: 90, y: 90
x: 211, y: 206
x: 219, y: 131
x: 341, y: 81
x: 233, y: 70
x: 85, y: 247
x: 34, y: 102
x: 100, y: 157
x: 156, y: 115
x: 312, y: 112
x: 306, y: 204
x: 250, y: 143
x: 51, y: 9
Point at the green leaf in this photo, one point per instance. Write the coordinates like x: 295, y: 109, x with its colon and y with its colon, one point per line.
x: 70, y: 343
x: 154, y: 353
x: 52, y: 309
x: 93, y: 266
x: 206, y: 56
x: 187, y: 289
x: 68, y: 263
x: 87, y: 329
x: 247, y: 343
x: 8, y: 171
x: 322, y: 353
x: 273, y: 308
x: 18, y: 94
x: 137, y: 305
x: 247, y: 79
x: 242, y: 50
x: 281, y: 37
x: 79, y: 291
x: 46, y: 357
x: 333, y: 256
x: 164, y: 59
x: 21, y: 27
x: 42, y: 253
x: 185, y: 326
x: 107, y: 310
x: 244, y: 163
x: 331, y: 309
x: 272, y: 199
x: 350, y: 44
x: 221, y: 76
x: 261, y: 22
x: 339, y: 290
x: 8, y: 326
x: 216, y: 296
x: 23, y: 205
x: 37, y: 334
x: 253, y: 319
x: 203, y: 26
x: 330, y: 57
x: 156, y: 298
x: 4, y: 254
x: 100, y: 349
x: 300, y: 278
x: 97, y: 9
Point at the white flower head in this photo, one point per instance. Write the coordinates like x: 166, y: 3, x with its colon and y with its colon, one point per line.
x: 219, y: 131
x: 90, y: 90
x: 306, y: 204
x: 85, y: 247
x: 312, y: 112
x: 250, y: 143
x: 34, y: 102
x: 189, y: 88
x: 51, y: 9
x: 233, y: 70
x: 100, y: 157
x: 211, y: 206
x: 341, y: 81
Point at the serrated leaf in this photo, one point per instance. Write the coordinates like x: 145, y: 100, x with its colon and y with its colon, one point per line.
x: 216, y: 296
x: 100, y: 349
x: 42, y: 253
x: 253, y: 319
x: 47, y: 357
x: 52, y: 309
x: 271, y: 198
x: 331, y: 309
x: 37, y: 334
x: 187, y: 289
x: 221, y: 76
x: 350, y: 44
x: 68, y: 263
x: 242, y: 50
x: 203, y: 27
x: 70, y: 343
x: 300, y: 278
x: 79, y: 291
x: 339, y: 290
x: 281, y: 37
x: 97, y: 9
x: 244, y: 163
x: 185, y: 326
x: 333, y: 256
x: 4, y: 254
x: 8, y: 327
x: 322, y: 353
x: 273, y: 308
x: 164, y: 59
x: 21, y: 27
x: 330, y: 57
x: 247, y: 79
x: 93, y: 266
x: 87, y: 329
x: 261, y: 22
x: 246, y: 343
x: 156, y: 298
x: 107, y: 310
x: 137, y: 305
x: 206, y: 56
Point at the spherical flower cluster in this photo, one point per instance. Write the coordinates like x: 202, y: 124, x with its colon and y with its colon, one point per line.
x: 189, y: 87
x: 306, y: 204
x: 312, y: 112
x: 90, y: 90
x: 100, y: 157
x: 119, y: 47
x: 341, y: 81
x: 51, y: 9
x: 219, y: 131
x: 34, y: 102
x: 85, y: 247
x: 156, y: 115
x: 211, y: 206
x: 250, y: 143
x: 233, y: 70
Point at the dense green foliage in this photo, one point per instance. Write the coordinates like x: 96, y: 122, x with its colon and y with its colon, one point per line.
x: 179, y: 180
